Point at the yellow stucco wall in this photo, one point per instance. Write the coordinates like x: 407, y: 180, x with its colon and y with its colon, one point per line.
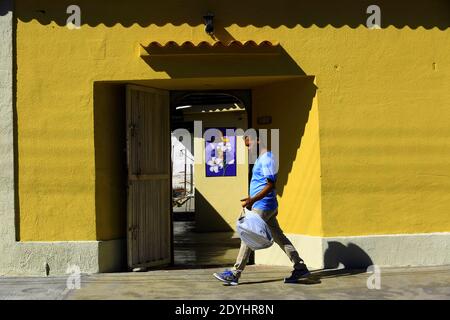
x: 292, y: 104
x: 385, y: 133
x: 293, y: 107
x: 384, y: 121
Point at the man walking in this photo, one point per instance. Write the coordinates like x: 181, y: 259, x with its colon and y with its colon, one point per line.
x: 263, y: 201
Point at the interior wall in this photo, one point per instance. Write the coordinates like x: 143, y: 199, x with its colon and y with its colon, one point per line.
x: 217, y: 204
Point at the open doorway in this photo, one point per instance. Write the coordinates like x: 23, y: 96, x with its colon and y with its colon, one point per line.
x: 207, y: 178
x: 183, y: 191
x: 152, y: 236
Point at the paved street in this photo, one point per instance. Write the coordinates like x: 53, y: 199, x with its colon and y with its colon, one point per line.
x: 259, y: 282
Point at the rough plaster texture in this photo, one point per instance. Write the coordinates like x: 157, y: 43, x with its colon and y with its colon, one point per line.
x: 53, y: 258
x: 35, y: 258
x: 368, y: 182
x: 428, y: 249
x: 7, y: 228
x: 383, y: 151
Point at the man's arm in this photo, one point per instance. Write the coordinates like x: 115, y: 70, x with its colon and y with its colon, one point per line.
x: 248, y: 202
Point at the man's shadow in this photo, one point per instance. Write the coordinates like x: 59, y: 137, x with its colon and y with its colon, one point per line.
x: 339, y: 261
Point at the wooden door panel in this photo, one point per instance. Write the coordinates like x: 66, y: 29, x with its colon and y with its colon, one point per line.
x: 148, y: 148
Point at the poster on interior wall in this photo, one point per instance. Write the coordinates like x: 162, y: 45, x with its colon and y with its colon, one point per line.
x: 220, y: 154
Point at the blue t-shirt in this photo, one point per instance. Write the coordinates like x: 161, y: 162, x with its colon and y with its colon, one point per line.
x: 264, y: 169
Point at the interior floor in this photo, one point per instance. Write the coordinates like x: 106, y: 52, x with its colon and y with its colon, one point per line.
x: 203, y: 249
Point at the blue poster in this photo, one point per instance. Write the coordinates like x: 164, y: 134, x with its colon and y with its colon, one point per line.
x: 220, y: 154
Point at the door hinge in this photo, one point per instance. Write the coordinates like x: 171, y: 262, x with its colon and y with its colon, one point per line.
x: 132, y: 127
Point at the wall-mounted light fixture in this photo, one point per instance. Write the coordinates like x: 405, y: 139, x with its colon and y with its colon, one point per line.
x: 209, y: 23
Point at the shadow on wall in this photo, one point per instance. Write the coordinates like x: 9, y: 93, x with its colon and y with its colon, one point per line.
x: 293, y: 100
x: 195, y: 66
x: 207, y: 217
x: 110, y: 160
x: 350, y: 256
x: 290, y: 13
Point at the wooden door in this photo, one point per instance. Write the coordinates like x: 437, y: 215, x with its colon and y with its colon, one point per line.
x: 149, y: 190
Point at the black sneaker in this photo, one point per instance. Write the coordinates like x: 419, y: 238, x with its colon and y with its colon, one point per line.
x: 297, y: 274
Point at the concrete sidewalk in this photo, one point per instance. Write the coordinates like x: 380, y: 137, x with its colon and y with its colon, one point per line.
x: 258, y: 282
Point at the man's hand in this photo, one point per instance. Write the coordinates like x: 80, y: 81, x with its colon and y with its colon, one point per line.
x: 247, y: 203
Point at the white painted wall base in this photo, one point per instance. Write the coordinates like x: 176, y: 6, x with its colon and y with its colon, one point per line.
x: 53, y: 258
x: 426, y: 249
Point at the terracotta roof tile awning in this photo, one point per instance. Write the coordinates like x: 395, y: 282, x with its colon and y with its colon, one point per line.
x: 234, y: 47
